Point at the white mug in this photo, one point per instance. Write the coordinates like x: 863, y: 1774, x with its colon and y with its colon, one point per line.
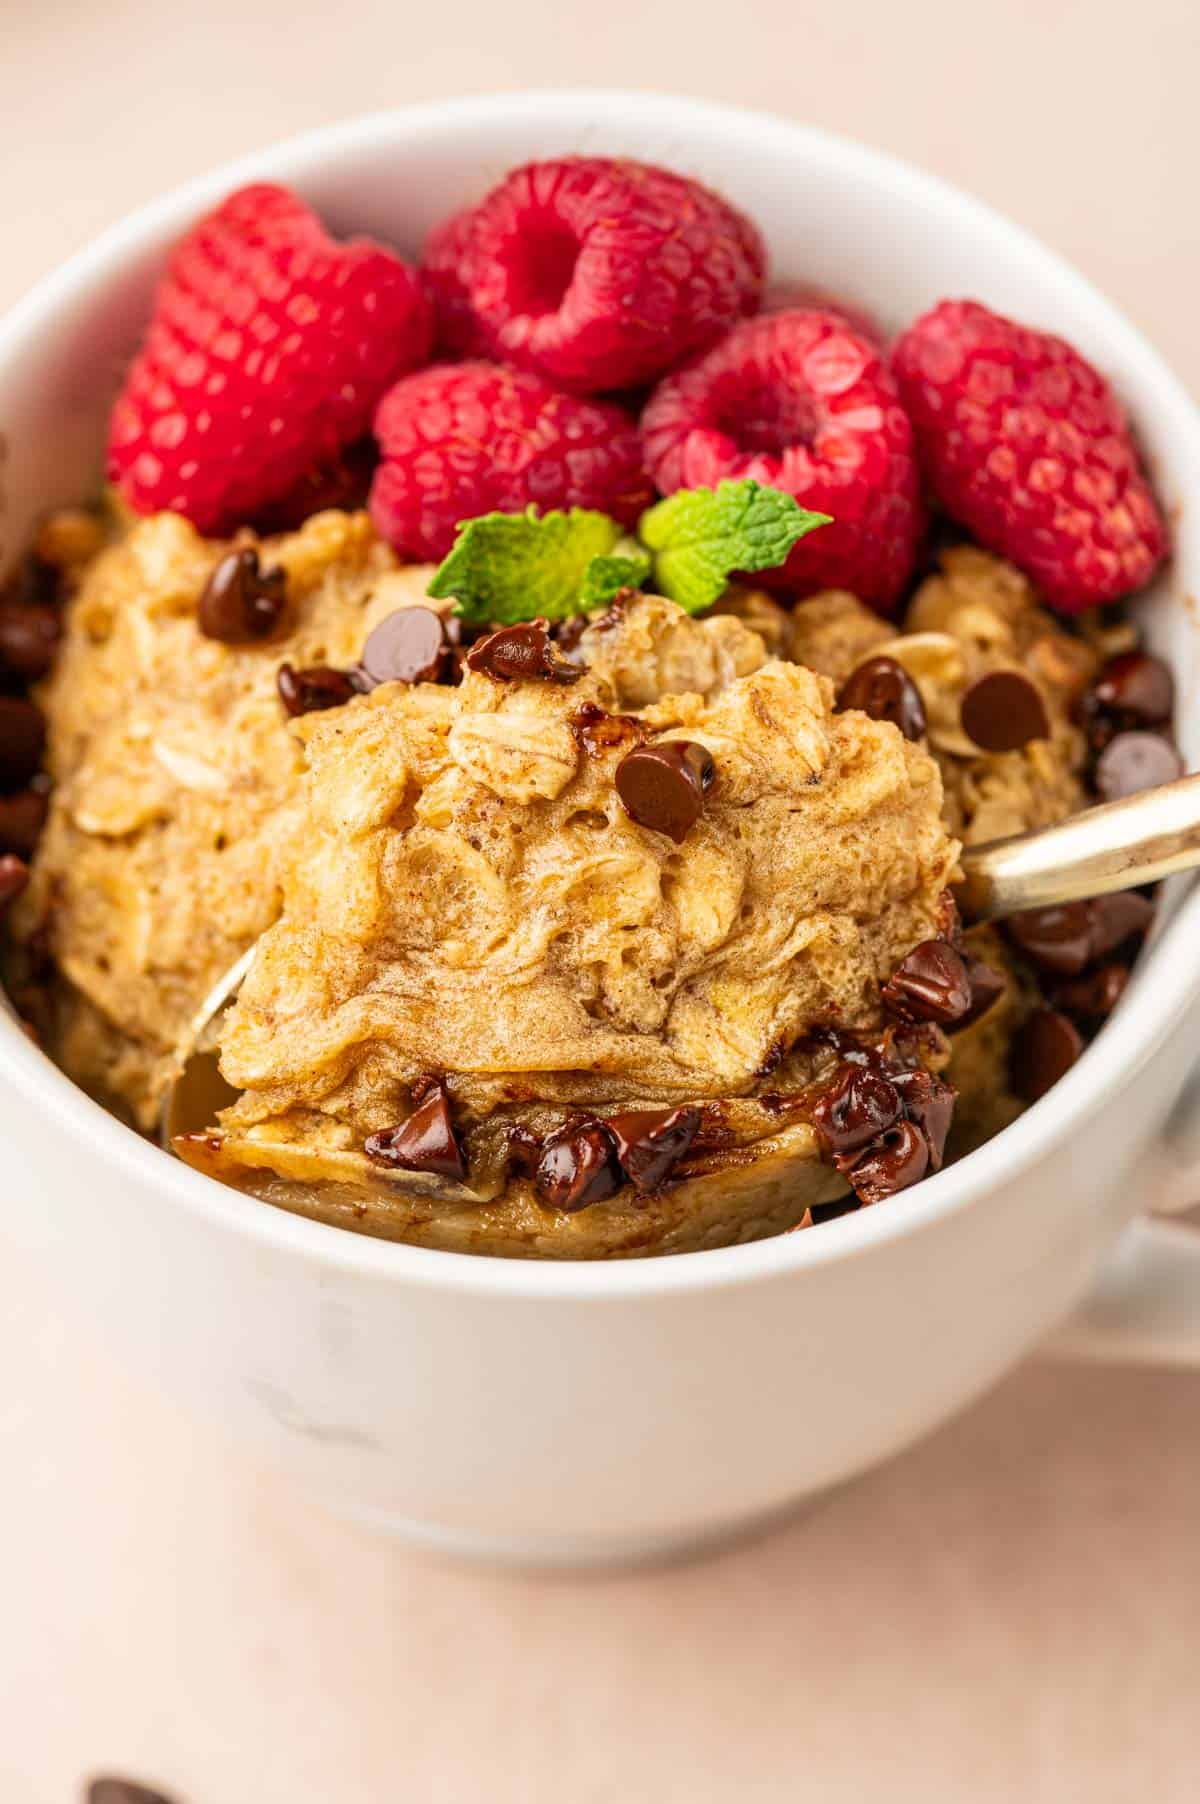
x: 562, y: 1412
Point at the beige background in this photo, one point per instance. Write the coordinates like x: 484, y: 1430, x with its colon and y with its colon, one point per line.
x: 1008, y: 1611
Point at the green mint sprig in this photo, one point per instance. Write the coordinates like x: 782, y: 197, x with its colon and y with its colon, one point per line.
x: 510, y: 567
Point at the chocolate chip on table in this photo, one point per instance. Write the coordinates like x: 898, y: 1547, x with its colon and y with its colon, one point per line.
x: 426, y: 1141
x: 241, y: 600
x: 1116, y: 918
x: 1131, y: 762
x: 1043, y: 1049
x: 1003, y: 710
x: 22, y: 741
x: 651, y: 1141
x: 109, y: 1790
x: 578, y: 1167
x: 1057, y: 939
x: 408, y: 646
x: 856, y: 1109
x: 14, y: 875
x: 987, y: 986
x: 22, y: 817
x: 900, y: 1158
x: 314, y: 687
x: 663, y: 786
x: 516, y: 653
x: 1133, y: 690
x: 928, y: 1103
x: 883, y: 689
x: 29, y: 637
x: 1094, y: 997
x: 929, y: 984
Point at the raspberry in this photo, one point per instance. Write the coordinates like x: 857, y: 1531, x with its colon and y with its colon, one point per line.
x: 459, y: 333
x: 599, y: 274
x: 465, y: 439
x: 802, y: 402
x: 1024, y: 442
x: 269, y: 346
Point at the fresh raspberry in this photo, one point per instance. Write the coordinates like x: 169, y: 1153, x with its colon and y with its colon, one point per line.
x: 1024, y: 442
x: 443, y: 270
x: 800, y: 401
x: 269, y: 346
x: 468, y: 438
x: 598, y: 273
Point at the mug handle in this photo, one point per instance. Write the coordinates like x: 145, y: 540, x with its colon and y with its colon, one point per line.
x: 1144, y: 1306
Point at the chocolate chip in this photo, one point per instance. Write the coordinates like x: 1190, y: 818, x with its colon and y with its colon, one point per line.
x: 1003, y: 710
x: 1135, y: 761
x: 929, y: 1102
x: 409, y: 646
x: 22, y: 741
x: 14, y: 875
x: 650, y: 1141
x: 241, y: 600
x: 517, y: 653
x: 598, y: 732
x: 1134, y: 690
x: 1094, y: 997
x: 426, y: 1141
x: 22, y: 817
x: 929, y: 984
x: 663, y: 786
x: 314, y: 687
x: 900, y: 1158
x: 1058, y: 939
x: 1043, y: 1049
x: 987, y: 986
x: 578, y: 1167
x: 123, y: 1791
x: 883, y: 689
x: 858, y: 1106
x: 1122, y: 916
x: 29, y: 637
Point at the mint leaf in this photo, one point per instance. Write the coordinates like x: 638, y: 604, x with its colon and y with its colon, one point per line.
x: 607, y: 576
x: 510, y: 567
x: 699, y: 537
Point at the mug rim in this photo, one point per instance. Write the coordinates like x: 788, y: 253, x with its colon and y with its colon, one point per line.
x: 1165, y: 980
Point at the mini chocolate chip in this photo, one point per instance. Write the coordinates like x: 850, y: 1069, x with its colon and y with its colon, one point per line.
x: 22, y: 817
x: 599, y: 732
x: 315, y: 686
x: 14, y: 875
x: 241, y: 600
x: 578, y: 1167
x: 1003, y: 710
x: 1134, y: 690
x: 426, y: 1141
x: 1043, y: 1049
x: 663, y: 786
x: 22, y: 741
x: 1135, y: 761
x: 29, y: 637
x: 1057, y: 939
x: 899, y: 1158
x: 859, y: 1105
x: 650, y: 1141
x: 1121, y: 916
x: 883, y: 689
x: 929, y: 1102
x: 987, y: 986
x: 929, y: 984
x: 1094, y: 997
x: 516, y: 653
x: 109, y: 1790
x: 408, y: 646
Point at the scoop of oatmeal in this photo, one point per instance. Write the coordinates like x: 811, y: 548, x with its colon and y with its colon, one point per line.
x: 465, y: 893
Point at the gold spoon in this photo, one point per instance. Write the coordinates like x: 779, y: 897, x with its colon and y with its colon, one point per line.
x: 1118, y: 845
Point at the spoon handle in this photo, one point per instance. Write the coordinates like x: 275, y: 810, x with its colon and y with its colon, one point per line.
x: 1117, y: 846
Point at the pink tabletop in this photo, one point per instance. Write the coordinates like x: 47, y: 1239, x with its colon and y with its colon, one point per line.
x: 1010, y: 1610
